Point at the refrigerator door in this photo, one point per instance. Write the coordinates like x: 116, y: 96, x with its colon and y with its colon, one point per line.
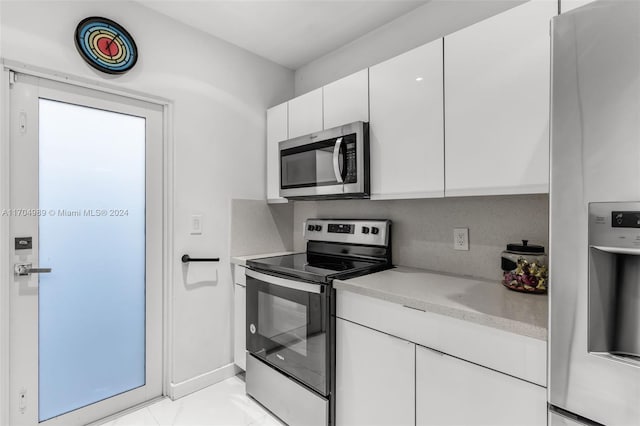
x: 595, y: 145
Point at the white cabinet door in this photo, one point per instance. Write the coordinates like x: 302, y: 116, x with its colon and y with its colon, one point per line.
x: 407, y: 128
x: 305, y: 114
x: 450, y: 391
x: 375, y: 377
x: 346, y: 100
x: 277, y: 130
x: 239, y: 325
x: 556, y: 419
x: 497, y: 75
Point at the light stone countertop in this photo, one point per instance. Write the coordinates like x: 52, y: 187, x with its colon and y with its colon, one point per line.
x: 242, y: 260
x: 480, y: 301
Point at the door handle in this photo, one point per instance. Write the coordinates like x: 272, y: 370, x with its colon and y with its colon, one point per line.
x: 22, y: 269
x: 336, y: 160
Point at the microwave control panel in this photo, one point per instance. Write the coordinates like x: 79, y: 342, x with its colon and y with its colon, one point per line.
x: 351, y: 160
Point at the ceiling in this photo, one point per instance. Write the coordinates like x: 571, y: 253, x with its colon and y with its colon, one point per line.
x: 291, y: 33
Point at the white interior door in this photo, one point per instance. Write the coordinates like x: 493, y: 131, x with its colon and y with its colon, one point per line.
x: 86, y: 202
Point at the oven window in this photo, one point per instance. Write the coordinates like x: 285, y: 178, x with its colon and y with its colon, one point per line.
x: 283, y: 321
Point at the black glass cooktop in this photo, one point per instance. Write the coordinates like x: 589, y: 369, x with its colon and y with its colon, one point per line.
x: 318, y: 268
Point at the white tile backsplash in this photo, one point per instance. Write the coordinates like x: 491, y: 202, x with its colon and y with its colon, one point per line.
x: 422, y: 233
x: 258, y: 227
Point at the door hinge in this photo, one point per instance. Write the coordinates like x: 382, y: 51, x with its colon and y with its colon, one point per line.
x: 13, y: 78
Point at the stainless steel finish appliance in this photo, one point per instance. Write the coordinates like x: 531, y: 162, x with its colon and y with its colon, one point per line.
x: 614, y: 281
x: 594, y: 330
x: 291, y: 316
x: 287, y: 398
x: 330, y: 164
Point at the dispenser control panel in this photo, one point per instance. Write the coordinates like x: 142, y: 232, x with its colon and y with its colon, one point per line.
x: 625, y: 219
x: 614, y: 225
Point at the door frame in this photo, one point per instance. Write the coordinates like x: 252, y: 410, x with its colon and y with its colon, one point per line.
x: 6, y: 68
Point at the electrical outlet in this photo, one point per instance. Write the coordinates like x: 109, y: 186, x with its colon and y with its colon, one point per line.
x: 461, y: 239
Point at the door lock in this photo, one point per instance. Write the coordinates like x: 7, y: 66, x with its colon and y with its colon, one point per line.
x: 22, y: 269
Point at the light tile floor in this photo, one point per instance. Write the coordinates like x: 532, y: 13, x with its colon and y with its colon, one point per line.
x: 223, y: 404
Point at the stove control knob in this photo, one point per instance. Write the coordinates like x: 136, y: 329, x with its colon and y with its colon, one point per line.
x: 318, y: 227
x: 365, y: 229
x: 310, y: 228
x: 374, y: 230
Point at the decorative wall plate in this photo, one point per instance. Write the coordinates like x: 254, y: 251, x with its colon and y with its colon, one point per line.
x: 105, y: 45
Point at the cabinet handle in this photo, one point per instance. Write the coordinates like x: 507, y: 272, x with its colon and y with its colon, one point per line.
x: 415, y: 309
x: 435, y: 351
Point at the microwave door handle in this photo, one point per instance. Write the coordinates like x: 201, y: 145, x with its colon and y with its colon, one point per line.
x: 336, y: 160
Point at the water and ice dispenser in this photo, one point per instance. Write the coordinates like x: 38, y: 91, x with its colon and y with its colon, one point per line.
x: 614, y: 279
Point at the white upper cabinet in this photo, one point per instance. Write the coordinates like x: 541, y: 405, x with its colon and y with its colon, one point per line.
x: 375, y: 377
x: 497, y: 75
x: 277, y: 130
x: 305, y: 114
x: 407, y: 129
x: 346, y: 100
x: 450, y: 391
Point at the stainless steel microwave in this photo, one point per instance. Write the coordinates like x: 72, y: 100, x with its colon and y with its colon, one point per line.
x: 330, y: 164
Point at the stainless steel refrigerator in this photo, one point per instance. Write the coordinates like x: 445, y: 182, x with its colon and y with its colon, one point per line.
x: 594, y: 329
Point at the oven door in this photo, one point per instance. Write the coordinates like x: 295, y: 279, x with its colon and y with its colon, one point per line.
x: 330, y: 163
x: 288, y: 326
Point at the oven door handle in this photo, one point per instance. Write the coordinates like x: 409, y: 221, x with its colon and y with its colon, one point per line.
x: 283, y: 282
x: 336, y: 160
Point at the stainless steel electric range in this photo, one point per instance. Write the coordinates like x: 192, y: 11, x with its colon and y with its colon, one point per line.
x: 291, y: 316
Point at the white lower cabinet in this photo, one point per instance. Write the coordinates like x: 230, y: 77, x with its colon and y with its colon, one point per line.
x: 556, y: 419
x: 375, y: 377
x: 239, y: 317
x: 386, y: 375
x: 450, y: 391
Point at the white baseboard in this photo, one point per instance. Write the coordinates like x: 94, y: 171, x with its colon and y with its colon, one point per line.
x: 178, y: 390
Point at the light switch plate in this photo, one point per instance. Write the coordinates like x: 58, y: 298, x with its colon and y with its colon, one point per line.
x: 461, y: 239
x: 196, y: 224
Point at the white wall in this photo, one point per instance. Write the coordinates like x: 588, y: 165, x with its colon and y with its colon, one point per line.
x: 422, y: 25
x: 220, y: 93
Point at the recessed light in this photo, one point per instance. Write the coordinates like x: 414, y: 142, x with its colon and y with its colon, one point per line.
x: 419, y: 78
